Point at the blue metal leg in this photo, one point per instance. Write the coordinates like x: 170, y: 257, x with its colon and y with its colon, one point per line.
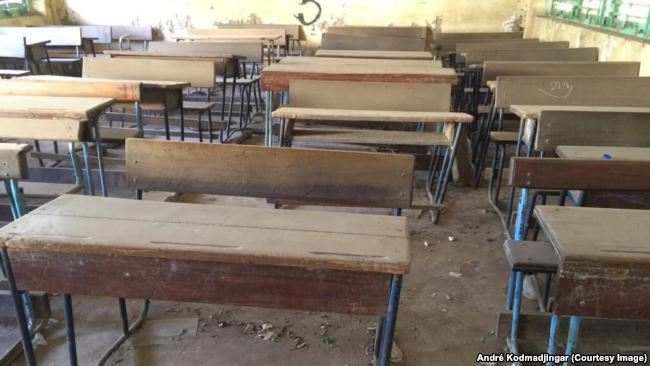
x: 572, y: 340
x: 516, y: 310
x: 518, y: 235
x: 69, y: 327
x: 268, y: 120
x: 398, y: 212
x: 391, y: 319
x: 547, y: 289
x: 100, y: 160
x: 25, y: 335
x: 89, y: 169
x: 74, y: 160
x: 380, y: 330
x: 552, y: 337
x: 511, y: 291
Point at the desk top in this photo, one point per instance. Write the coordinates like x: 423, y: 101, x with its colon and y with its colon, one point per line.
x: 533, y: 111
x: 276, y: 77
x: 174, y: 56
x: 358, y: 61
x: 229, y: 37
x: 147, y: 84
x: 14, y: 73
x: 80, y: 109
x: 597, y: 152
x: 370, y: 115
x: 400, y: 55
x: 124, y: 227
x: 597, y: 234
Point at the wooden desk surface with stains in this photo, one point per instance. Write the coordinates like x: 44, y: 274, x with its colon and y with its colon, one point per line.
x: 81, y: 109
x: 533, y: 111
x: 598, y: 152
x: 206, y: 253
x: 276, y: 77
x: 359, y: 61
x: 605, y: 260
x: 147, y: 84
x: 203, y: 56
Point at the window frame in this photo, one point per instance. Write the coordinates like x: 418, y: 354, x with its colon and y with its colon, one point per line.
x: 609, y: 15
x: 12, y: 9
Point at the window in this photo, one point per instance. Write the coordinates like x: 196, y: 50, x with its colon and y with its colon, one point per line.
x: 630, y: 17
x: 13, y: 8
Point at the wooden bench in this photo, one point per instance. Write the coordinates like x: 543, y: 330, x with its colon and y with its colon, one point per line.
x: 333, y: 41
x: 124, y: 35
x: 379, y: 31
x: 343, y: 103
x: 562, y: 54
x: 386, y: 55
x: 294, y: 32
x: 508, y: 45
x: 618, y: 175
x: 445, y: 42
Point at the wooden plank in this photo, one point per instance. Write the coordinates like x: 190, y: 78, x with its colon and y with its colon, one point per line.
x: 534, y: 111
x: 204, y: 282
x: 200, y: 74
x: 147, y: 85
x: 397, y: 55
x: 12, y: 47
x: 494, y: 69
x: 294, y: 31
x: 379, y: 31
x: 277, y: 77
x: 599, y: 152
x: 11, y: 73
x: 332, y: 41
x: 44, y: 190
x: 572, y: 91
x: 359, y: 61
x: 100, y: 33
x: 322, y: 114
x: 123, y: 91
x: 508, y: 45
x: 58, y: 36
x: 592, y: 129
x: 41, y: 129
x: 369, y: 137
x: 581, y: 174
x: 356, y: 179
x: 252, y: 51
x: 445, y: 36
x: 77, y: 108
x: 370, y: 96
x: 571, y: 54
x: 257, y: 33
x: 615, y: 332
x: 77, y: 224
x: 136, y: 33
x: 605, y: 256
x: 13, y: 160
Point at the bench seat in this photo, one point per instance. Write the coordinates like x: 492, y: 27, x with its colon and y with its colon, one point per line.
x: 113, y: 134
x: 503, y: 137
x: 371, y: 137
x: 198, y: 106
x: 11, y: 73
x: 531, y: 256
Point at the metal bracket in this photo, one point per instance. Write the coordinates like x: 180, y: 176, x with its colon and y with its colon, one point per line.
x: 301, y: 16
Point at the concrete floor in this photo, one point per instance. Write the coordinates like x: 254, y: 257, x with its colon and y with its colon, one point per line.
x: 443, y: 320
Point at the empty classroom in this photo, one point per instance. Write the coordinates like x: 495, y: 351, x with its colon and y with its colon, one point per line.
x: 332, y: 183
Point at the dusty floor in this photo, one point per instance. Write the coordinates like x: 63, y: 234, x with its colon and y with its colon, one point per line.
x: 443, y: 320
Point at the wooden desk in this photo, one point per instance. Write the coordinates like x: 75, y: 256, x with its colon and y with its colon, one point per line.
x: 598, y: 152
x: 8, y: 74
x: 275, y: 78
x: 299, y: 260
x: 533, y: 111
x: 388, y: 55
x: 605, y: 255
x: 222, y: 61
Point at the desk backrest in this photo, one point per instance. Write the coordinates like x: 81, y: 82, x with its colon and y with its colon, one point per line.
x: 494, y: 69
x: 278, y: 34
x: 294, y: 31
x: 13, y: 160
x: 318, y: 176
x: 571, y: 54
x: 623, y: 129
x: 370, y: 95
x: 252, y: 50
x: 333, y: 41
x: 101, y: 33
x: 509, y: 45
x: 378, y: 31
x: 135, y: 33
x: 12, y: 47
x: 123, y: 91
x: 617, y: 175
x: 58, y: 36
x: 572, y: 90
x: 446, y: 41
x: 201, y: 74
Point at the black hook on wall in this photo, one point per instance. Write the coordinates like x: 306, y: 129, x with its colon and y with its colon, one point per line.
x: 301, y: 16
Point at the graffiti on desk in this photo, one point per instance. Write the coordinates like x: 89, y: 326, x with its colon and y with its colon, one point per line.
x: 560, y: 89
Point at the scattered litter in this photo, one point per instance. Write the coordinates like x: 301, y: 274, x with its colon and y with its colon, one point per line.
x: 482, y: 211
x: 492, y: 332
x: 444, y: 310
x: 178, y: 336
x: 448, y: 297
x: 433, y: 294
x: 329, y: 341
x: 222, y: 325
x: 426, y: 243
x: 39, y: 340
x: 51, y: 323
x: 301, y: 345
x: 489, y: 363
x: 455, y: 274
x: 451, y: 239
